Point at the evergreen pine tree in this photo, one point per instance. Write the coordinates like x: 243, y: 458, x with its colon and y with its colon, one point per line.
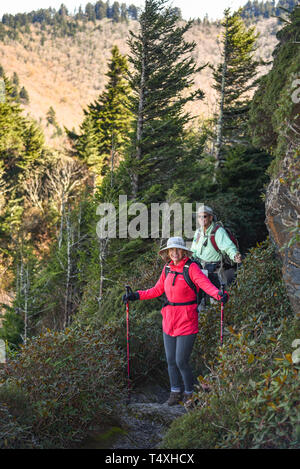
x: 24, y: 96
x: 133, y: 12
x: 86, y: 145
x: 15, y: 79
x: 100, y: 10
x: 124, y: 14
x: 163, y: 73
x: 116, y: 16
x: 12, y: 126
x: 234, y: 78
x: 104, y: 131
x: 90, y: 12
x: 21, y: 147
x: 51, y: 116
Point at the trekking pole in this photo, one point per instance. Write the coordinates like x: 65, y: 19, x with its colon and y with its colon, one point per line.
x: 222, y: 314
x: 128, y: 356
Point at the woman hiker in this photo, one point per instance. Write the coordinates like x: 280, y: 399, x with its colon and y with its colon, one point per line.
x: 180, y: 316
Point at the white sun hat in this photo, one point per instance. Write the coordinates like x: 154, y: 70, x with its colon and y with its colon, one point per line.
x: 175, y: 242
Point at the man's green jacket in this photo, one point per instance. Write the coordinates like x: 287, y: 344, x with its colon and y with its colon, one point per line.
x: 204, y: 250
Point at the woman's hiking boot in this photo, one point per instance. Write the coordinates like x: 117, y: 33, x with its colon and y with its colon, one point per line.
x: 175, y: 398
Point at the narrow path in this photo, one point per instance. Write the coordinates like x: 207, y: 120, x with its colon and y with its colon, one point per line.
x: 142, y: 422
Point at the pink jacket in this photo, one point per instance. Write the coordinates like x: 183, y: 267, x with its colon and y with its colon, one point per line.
x: 180, y: 320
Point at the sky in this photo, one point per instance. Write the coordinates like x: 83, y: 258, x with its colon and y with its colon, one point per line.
x: 189, y: 8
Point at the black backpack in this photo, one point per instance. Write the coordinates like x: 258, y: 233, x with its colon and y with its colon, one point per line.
x: 187, y: 278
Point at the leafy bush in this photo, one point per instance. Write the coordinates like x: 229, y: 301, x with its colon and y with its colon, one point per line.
x: 70, y: 379
x: 270, y: 418
x: 259, y: 288
x: 203, y: 428
x: 15, y: 414
x: 140, y: 272
x: 146, y: 348
x: 250, y: 405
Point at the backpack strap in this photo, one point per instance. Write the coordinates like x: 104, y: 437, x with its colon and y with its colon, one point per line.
x: 188, y: 280
x: 169, y: 303
x: 187, y: 277
x: 212, y: 238
x: 167, y: 270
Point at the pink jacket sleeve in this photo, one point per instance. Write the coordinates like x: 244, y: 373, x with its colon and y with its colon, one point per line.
x: 201, y: 281
x: 156, y: 291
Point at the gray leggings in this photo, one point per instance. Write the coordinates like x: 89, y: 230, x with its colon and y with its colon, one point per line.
x: 178, y: 351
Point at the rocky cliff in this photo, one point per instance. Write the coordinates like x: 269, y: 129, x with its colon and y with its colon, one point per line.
x: 283, y: 221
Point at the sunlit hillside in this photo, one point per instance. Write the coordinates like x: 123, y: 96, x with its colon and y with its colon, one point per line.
x: 68, y: 73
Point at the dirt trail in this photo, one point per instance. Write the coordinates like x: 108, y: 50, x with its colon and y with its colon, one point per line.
x: 142, y: 422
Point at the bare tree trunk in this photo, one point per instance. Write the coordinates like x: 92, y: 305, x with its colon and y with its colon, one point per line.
x: 67, y: 294
x: 22, y: 292
x: 220, y: 123
x: 62, y: 210
x: 112, y: 160
x: 26, y: 289
x: 102, y: 254
x: 79, y: 223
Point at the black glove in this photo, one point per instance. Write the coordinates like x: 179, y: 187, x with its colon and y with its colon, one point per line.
x: 130, y: 296
x: 223, y: 297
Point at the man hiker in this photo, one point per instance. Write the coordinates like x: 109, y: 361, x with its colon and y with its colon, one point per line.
x: 211, y: 241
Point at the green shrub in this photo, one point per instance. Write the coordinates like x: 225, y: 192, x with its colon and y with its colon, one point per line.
x: 254, y: 398
x: 270, y: 418
x: 15, y: 419
x: 70, y: 378
x: 259, y: 288
x: 258, y: 293
x: 140, y: 273
x: 146, y: 348
x: 203, y: 428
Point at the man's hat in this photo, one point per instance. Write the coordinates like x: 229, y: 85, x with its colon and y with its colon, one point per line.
x: 205, y: 209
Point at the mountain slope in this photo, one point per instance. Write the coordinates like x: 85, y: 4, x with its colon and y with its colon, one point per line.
x: 68, y: 73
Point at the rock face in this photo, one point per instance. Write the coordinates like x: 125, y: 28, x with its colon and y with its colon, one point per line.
x: 282, y: 216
